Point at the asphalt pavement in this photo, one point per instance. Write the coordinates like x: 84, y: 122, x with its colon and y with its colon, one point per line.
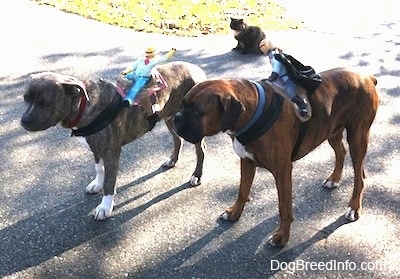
x: 161, y: 227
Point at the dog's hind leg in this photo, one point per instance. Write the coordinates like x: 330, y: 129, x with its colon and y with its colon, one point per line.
x: 171, y: 161
x: 358, y: 142
x: 195, y: 179
x: 340, y: 152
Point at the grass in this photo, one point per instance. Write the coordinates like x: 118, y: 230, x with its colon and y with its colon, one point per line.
x: 180, y: 17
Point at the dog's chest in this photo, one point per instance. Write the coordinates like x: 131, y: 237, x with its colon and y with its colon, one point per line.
x: 241, y: 151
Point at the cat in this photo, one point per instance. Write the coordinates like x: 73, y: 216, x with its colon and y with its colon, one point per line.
x: 248, y: 37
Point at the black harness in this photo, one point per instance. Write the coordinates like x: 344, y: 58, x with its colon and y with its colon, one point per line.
x: 102, y: 120
x: 264, y: 118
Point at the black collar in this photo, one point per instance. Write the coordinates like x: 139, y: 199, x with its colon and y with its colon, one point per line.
x: 102, y: 120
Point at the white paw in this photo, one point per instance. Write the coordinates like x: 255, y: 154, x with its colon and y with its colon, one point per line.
x: 194, y: 181
x: 105, y: 208
x: 270, y: 240
x: 350, y: 214
x: 97, y: 184
x: 94, y: 187
x: 169, y: 163
x: 330, y: 184
x: 224, y: 216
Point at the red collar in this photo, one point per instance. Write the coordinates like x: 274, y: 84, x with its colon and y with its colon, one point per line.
x: 82, y: 106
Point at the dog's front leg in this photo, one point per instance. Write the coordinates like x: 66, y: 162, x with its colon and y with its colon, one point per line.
x: 105, y: 208
x: 247, y: 172
x: 283, y: 179
x: 97, y: 184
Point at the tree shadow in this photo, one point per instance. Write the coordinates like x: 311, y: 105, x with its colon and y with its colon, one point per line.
x: 58, y: 229
x: 234, y: 258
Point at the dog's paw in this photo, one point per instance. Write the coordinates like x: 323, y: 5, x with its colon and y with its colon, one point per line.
x: 94, y: 187
x: 351, y: 214
x: 224, y: 216
x: 169, y: 163
x: 277, y: 240
x: 194, y: 181
x: 330, y: 184
x: 270, y: 240
x: 229, y: 216
x: 105, y: 208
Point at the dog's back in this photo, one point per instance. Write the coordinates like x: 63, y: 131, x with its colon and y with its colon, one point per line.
x: 344, y: 100
x: 180, y: 77
x: 354, y: 98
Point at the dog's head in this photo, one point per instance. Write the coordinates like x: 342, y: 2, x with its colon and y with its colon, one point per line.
x: 49, y: 98
x: 208, y: 108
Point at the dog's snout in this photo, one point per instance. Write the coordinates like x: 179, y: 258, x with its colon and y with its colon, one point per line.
x: 178, y: 120
x: 178, y: 116
x: 186, y: 127
x: 26, y: 120
x: 29, y: 122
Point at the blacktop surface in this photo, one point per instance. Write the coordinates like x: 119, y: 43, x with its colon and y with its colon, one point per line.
x: 162, y: 228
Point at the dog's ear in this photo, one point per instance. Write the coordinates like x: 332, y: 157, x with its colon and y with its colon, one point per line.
x: 74, y: 90
x: 70, y: 82
x: 232, y: 108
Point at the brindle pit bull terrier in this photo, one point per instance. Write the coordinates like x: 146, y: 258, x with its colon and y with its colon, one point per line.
x: 53, y: 98
x: 345, y: 100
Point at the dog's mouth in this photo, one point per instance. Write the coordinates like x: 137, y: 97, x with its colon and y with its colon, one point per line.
x: 32, y: 128
x: 29, y: 124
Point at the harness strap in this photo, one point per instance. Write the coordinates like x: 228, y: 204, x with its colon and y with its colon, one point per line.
x: 300, y: 138
x: 257, y: 113
x: 265, y: 120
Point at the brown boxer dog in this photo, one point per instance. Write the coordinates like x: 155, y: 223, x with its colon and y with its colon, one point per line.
x: 53, y: 98
x: 344, y: 101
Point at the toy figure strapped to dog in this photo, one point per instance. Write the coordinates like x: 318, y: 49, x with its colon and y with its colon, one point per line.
x: 291, y: 79
x: 155, y: 84
x: 139, y: 83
